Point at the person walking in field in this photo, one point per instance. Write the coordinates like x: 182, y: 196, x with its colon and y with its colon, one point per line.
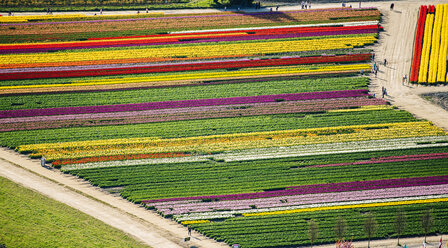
x: 404, y: 78
x: 189, y: 230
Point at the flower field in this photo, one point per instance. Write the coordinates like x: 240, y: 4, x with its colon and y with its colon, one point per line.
x: 244, y: 126
x: 431, y: 46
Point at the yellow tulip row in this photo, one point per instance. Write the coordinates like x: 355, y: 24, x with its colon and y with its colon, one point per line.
x: 228, y: 142
x: 363, y: 108
x: 15, y: 19
x: 188, y: 222
x: 10, y: 19
x: 426, y: 48
x: 437, y: 45
x: 191, y: 51
x: 205, y: 75
x: 441, y: 65
x: 363, y: 205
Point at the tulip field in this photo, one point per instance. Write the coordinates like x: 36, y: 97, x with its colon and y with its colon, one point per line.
x: 429, y: 64
x: 244, y: 126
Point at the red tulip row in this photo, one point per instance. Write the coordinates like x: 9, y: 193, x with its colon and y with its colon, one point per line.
x: 254, y: 31
x: 418, y: 43
x: 168, y: 38
x: 187, y: 67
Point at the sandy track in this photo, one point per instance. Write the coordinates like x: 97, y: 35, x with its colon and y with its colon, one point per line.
x: 395, y: 44
x: 144, y: 225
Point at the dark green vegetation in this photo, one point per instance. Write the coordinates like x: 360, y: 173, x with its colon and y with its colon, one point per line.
x: 162, y: 181
x: 290, y: 230
x: 29, y: 219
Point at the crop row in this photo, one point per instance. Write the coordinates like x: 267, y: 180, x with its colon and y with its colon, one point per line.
x: 181, y: 104
x: 244, y: 177
x: 190, y: 113
x: 435, y: 45
x: 260, y: 34
x: 222, y: 50
x: 233, y: 141
x: 301, y: 190
x: 437, y: 62
x: 184, y: 210
x: 292, y: 152
x: 418, y: 42
x: 181, y: 78
x: 205, y: 127
x: 152, y: 25
x: 185, y: 67
x: 315, y: 105
x: 244, y: 88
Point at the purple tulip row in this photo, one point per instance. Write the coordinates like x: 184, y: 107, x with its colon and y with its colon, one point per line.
x: 305, y: 199
x: 236, y: 38
x: 178, y: 114
x: 320, y: 188
x: 181, y: 103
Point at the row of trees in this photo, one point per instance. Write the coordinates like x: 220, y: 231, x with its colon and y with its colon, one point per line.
x: 370, y: 227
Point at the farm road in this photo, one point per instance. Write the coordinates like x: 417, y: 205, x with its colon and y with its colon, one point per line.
x: 133, y: 219
x: 396, y: 46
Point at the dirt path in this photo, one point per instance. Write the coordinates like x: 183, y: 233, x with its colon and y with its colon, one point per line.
x: 145, y: 225
x: 395, y: 44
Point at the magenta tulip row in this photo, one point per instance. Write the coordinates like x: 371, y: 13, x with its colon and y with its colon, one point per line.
x: 181, y: 103
x: 319, y: 188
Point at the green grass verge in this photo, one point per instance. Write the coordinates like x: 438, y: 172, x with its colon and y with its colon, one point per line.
x: 29, y: 219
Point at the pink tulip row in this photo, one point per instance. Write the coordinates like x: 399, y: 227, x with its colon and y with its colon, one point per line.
x: 283, y: 201
x: 317, y: 188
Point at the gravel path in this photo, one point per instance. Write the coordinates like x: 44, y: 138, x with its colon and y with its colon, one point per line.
x: 395, y: 44
x: 146, y: 226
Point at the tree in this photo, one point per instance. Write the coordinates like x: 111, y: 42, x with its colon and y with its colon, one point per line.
x: 313, y: 231
x: 340, y: 228
x: 370, y: 226
x: 400, y: 223
x: 427, y: 221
